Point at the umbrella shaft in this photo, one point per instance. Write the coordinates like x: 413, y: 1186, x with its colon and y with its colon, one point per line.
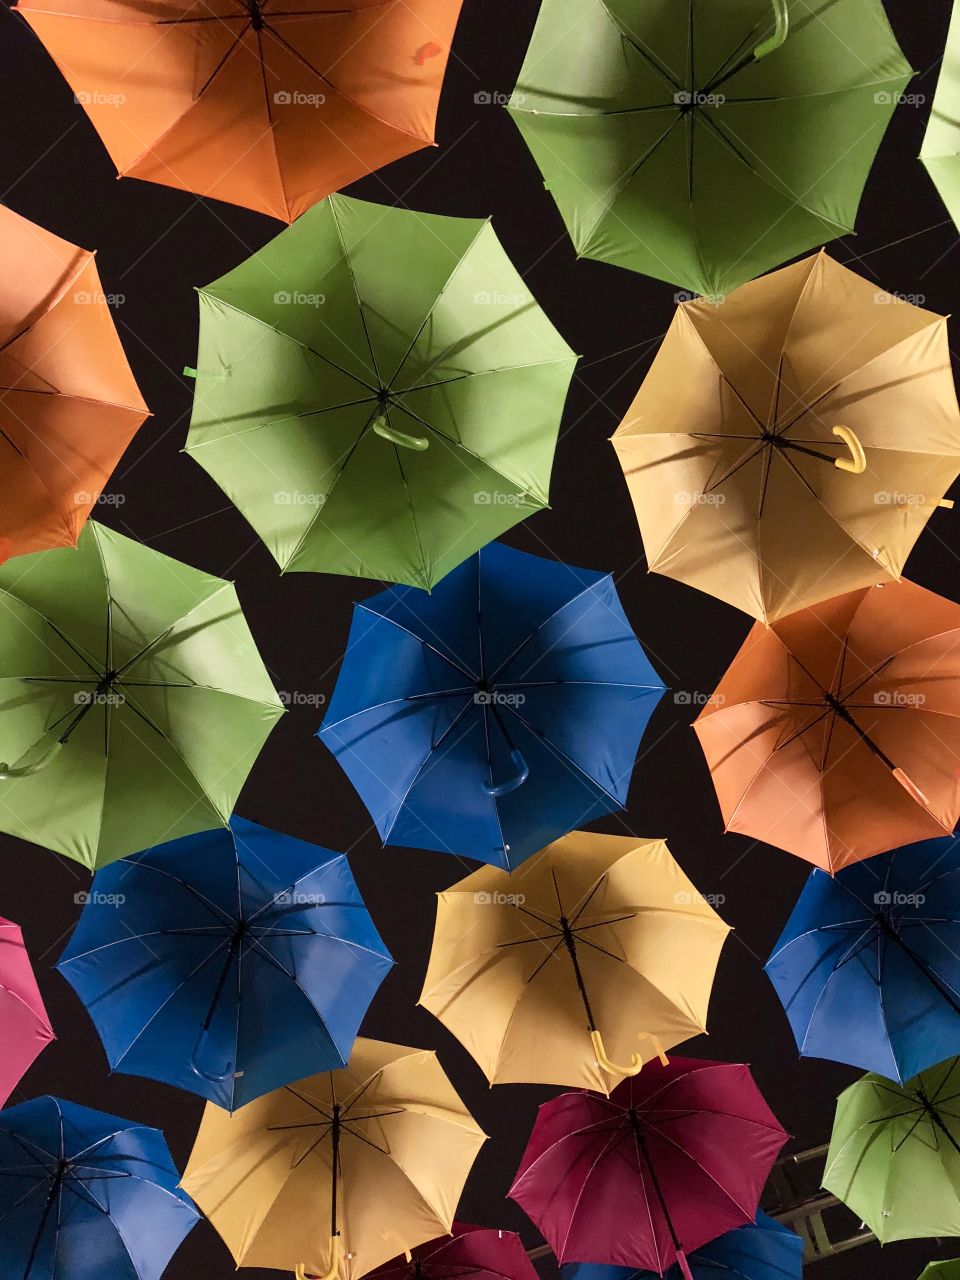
x: 335, y: 1166
x: 642, y: 1148
x: 571, y: 944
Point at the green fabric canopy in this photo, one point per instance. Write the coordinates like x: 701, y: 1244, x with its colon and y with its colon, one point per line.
x: 948, y: 1270
x: 672, y: 148
x: 940, y: 152
x: 133, y: 701
x: 894, y: 1155
x: 378, y: 392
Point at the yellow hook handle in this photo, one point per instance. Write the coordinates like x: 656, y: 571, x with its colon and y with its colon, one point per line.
x: 857, y: 463
x: 336, y: 1252
x: 636, y: 1059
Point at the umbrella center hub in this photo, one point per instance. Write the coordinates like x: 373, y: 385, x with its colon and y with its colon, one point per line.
x: 255, y: 9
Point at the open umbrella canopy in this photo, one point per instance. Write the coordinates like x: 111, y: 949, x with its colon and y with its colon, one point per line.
x: 24, y: 1025
x: 69, y: 405
x: 703, y: 144
x: 672, y: 1159
x: 764, y: 1250
x: 868, y: 966
x: 132, y: 698
x: 271, y: 104
x: 85, y: 1195
x: 495, y: 714
x: 468, y: 1253
x: 370, y: 420
x: 227, y: 963
x: 835, y: 732
x: 942, y: 1271
x: 791, y: 442
x: 940, y: 152
x: 598, y: 945
x: 337, y: 1173
x: 894, y: 1155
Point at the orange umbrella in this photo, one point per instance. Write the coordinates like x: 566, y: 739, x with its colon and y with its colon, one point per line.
x: 69, y: 405
x: 272, y: 104
x: 835, y: 733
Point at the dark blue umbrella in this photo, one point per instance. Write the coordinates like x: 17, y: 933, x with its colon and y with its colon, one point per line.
x: 765, y: 1250
x: 85, y: 1196
x: 227, y: 963
x: 496, y: 713
x: 868, y: 966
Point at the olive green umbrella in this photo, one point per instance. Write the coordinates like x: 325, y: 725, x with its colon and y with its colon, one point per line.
x: 703, y: 143
x: 894, y: 1155
x: 133, y: 701
x: 947, y: 1270
x: 940, y: 152
x: 378, y: 392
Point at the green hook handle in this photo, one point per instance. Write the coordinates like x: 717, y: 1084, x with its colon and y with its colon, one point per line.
x: 383, y: 428
x: 781, y: 27
x: 34, y: 766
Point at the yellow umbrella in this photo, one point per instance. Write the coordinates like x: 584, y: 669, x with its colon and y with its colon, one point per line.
x: 389, y: 1123
x: 591, y: 943
x: 791, y: 440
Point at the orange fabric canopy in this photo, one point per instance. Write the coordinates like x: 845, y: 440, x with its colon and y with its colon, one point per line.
x: 271, y: 104
x: 69, y: 405
x: 835, y: 732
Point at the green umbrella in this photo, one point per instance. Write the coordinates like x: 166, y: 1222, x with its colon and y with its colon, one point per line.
x: 378, y: 392
x: 894, y: 1155
x: 940, y: 152
x: 703, y: 143
x: 133, y: 701
x: 949, y: 1270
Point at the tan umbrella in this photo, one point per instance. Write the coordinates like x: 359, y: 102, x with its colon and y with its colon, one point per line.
x: 593, y: 942
x: 390, y: 1125
x: 791, y: 441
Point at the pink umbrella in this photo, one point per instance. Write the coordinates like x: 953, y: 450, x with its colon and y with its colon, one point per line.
x: 24, y: 1026
x: 675, y: 1157
x: 468, y: 1253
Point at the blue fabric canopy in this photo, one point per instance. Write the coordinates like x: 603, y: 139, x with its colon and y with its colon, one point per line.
x: 496, y: 713
x: 765, y: 1250
x: 868, y: 966
x: 85, y: 1196
x: 227, y: 963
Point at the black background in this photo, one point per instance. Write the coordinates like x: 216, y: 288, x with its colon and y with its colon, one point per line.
x: 154, y: 246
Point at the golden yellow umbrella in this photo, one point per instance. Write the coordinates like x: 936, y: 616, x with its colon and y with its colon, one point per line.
x: 591, y: 943
x: 389, y: 1123
x: 791, y: 440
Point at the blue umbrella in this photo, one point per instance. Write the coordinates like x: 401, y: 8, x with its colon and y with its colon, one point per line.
x: 496, y: 713
x: 868, y: 966
x: 764, y: 1250
x: 85, y: 1196
x: 227, y: 963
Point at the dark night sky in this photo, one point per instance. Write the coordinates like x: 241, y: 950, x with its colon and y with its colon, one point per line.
x: 154, y: 246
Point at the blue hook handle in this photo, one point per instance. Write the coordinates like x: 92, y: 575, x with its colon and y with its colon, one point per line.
x: 212, y: 1077
x: 518, y: 779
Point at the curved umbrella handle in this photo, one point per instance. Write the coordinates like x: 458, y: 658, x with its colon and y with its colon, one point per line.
x: 511, y: 784
x: 34, y: 766
x: 858, y: 461
x: 657, y: 1046
x: 383, y: 429
x: 911, y: 788
x: 210, y: 1076
x: 636, y: 1061
x: 336, y: 1248
x: 782, y: 26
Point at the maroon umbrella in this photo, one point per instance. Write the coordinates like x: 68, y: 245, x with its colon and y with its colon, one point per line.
x: 468, y: 1253
x: 24, y: 1025
x: 676, y: 1156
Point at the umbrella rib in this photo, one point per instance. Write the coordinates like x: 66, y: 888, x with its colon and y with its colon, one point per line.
x: 439, y: 298
x: 387, y: 124
x: 156, y: 143
x: 258, y: 32
x: 225, y: 917
x: 481, y: 373
x: 568, y: 759
x: 424, y: 568
x: 661, y: 68
x: 452, y: 662
x: 356, y: 291
x: 591, y: 586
